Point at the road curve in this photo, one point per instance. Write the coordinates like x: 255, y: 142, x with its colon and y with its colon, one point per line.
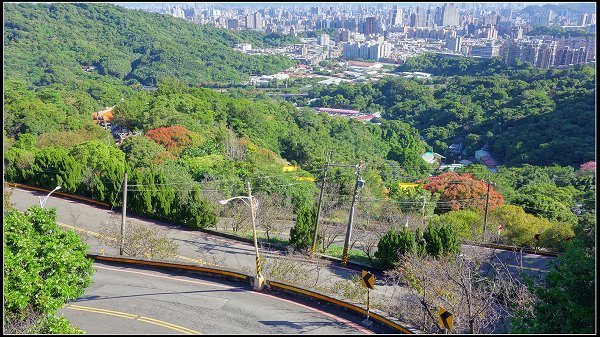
x: 135, y: 300
x: 195, y: 246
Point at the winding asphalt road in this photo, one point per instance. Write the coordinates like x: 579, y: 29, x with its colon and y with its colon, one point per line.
x: 135, y: 300
x: 212, y: 250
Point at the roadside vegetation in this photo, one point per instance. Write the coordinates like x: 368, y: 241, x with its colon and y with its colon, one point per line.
x: 44, y: 266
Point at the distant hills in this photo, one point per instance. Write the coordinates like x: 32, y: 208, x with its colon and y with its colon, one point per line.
x: 574, y: 7
x: 53, y: 43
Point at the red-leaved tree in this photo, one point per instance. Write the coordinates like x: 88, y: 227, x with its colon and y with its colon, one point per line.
x: 461, y: 192
x: 174, y: 138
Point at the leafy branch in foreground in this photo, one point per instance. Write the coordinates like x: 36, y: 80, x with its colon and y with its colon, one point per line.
x: 44, y: 266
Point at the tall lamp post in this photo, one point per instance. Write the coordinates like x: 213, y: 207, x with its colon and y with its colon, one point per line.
x: 259, y: 280
x: 43, y: 202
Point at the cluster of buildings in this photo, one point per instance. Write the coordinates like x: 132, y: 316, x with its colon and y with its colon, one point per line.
x: 392, y: 32
x: 354, y: 114
x: 370, y: 50
x: 547, y: 52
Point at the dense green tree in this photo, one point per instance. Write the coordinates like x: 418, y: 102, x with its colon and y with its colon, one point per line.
x: 141, y: 151
x: 565, y: 301
x: 489, y: 102
x: 406, y: 147
x: 558, y: 31
x: 393, y: 244
x: 467, y: 223
x: 103, y: 169
x: 44, y: 266
x: 440, y: 239
x: 198, y: 213
x: 548, y: 201
x: 67, y: 139
x: 53, y: 167
x: 413, y: 200
x: 127, y: 49
x: 302, y: 232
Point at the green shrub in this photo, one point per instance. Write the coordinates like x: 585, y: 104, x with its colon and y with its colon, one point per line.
x: 440, y: 240
x: 393, y: 244
x: 302, y: 233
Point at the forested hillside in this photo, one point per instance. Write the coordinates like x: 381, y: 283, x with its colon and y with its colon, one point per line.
x: 51, y: 43
x: 193, y: 146
x: 481, y: 102
x: 189, y: 134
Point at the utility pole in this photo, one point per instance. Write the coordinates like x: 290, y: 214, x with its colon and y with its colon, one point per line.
x: 487, y: 201
x: 359, y: 183
x: 325, y: 168
x: 424, y: 201
x: 124, y: 210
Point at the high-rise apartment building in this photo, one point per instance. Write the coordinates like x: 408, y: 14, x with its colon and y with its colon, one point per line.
x: 540, y: 53
x: 546, y: 54
x: 368, y: 50
x: 370, y: 26
x: 416, y: 18
x: 529, y: 51
x: 516, y: 33
x: 510, y: 51
x: 177, y: 12
x: 232, y: 24
x: 450, y: 16
x: 583, y: 20
x: 249, y: 21
x: 341, y: 35
x: 588, y: 43
x: 396, y: 16
x: 488, y: 50
x: 258, y: 21
x: 565, y: 56
x: 429, y: 18
x: 454, y: 44
x: 323, y: 40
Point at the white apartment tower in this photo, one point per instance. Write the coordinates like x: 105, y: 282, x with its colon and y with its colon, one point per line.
x: 450, y: 15
x: 323, y: 40
x: 396, y: 16
x: 258, y: 21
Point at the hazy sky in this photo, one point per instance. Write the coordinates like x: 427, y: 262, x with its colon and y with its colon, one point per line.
x: 269, y: 4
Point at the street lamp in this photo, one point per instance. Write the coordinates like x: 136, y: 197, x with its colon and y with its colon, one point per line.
x: 258, y: 282
x: 43, y: 202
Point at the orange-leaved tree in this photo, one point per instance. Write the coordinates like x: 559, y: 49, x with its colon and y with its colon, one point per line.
x: 175, y: 138
x: 461, y: 192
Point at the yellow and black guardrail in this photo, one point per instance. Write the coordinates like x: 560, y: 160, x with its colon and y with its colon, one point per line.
x: 272, y: 285
x: 172, y: 265
x: 390, y: 322
x: 513, y: 248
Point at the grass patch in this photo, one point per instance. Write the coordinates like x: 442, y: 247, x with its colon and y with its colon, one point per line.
x: 259, y: 237
x: 354, y: 255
